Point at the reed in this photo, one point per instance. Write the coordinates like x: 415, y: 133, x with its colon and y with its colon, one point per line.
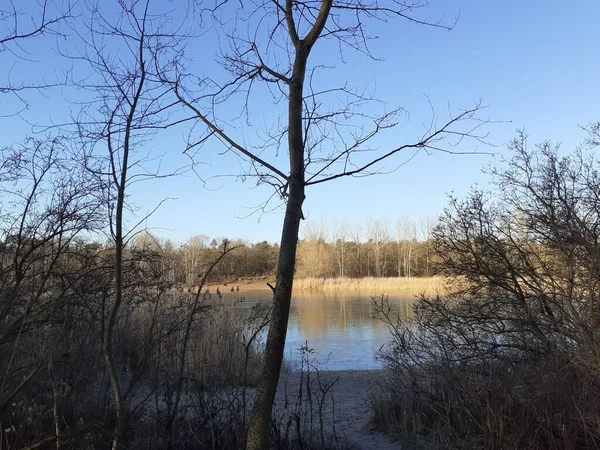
x: 425, y: 285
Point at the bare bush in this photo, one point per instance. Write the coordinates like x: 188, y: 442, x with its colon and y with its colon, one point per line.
x: 179, y: 390
x: 510, y: 358
x: 305, y: 419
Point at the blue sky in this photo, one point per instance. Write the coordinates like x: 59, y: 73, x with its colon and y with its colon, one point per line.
x: 533, y: 62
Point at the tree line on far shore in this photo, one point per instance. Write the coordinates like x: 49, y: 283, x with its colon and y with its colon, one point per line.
x: 377, y: 248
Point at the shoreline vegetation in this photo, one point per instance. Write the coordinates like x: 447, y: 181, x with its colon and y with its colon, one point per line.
x: 374, y: 285
x: 417, y: 285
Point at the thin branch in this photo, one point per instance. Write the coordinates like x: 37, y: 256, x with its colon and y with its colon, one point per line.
x: 219, y: 132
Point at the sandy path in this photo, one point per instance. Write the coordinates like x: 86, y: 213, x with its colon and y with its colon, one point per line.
x: 350, y: 410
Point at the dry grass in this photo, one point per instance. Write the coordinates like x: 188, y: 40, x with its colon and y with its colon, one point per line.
x: 426, y: 285
x: 373, y: 285
x: 549, y: 404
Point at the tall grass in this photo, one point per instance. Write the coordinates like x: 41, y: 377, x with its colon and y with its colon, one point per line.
x: 459, y: 377
x: 536, y: 405
x: 66, y: 403
x: 426, y: 285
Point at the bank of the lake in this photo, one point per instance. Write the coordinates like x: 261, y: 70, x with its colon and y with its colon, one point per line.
x: 347, y: 409
x: 368, y: 285
x: 372, y: 285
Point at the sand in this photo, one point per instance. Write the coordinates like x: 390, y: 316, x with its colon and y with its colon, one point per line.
x: 350, y: 410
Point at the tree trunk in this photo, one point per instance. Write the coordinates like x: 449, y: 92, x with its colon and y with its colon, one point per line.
x: 343, y: 258
x: 260, y: 418
x: 258, y: 429
x: 112, y: 318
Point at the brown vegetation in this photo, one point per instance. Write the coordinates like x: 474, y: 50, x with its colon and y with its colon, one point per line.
x: 186, y: 365
x: 371, y: 251
x: 54, y: 387
x: 510, y: 360
x: 370, y: 285
x: 424, y: 285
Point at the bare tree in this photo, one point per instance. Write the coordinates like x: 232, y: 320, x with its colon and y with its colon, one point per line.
x: 357, y: 235
x: 46, y: 206
x: 327, y: 129
x: 407, y: 236
x: 128, y: 107
x: 193, y: 257
x: 378, y: 236
x: 314, y: 257
x: 426, y: 227
x: 340, y: 235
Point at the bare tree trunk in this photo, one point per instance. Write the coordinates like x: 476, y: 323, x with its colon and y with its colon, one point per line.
x: 343, y: 272
x: 358, y: 260
x: 107, y: 347
x: 112, y: 318
x: 409, y: 260
x: 120, y: 182
x: 258, y: 429
x: 399, y: 260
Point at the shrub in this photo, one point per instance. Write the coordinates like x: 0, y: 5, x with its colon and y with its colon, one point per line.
x: 509, y: 359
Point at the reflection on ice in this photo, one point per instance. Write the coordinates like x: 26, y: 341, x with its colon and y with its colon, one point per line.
x: 337, y: 325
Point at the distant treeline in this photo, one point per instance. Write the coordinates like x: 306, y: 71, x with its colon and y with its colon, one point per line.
x: 375, y: 249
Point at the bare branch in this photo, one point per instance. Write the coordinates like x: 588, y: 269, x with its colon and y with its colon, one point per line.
x: 429, y: 141
x: 223, y: 136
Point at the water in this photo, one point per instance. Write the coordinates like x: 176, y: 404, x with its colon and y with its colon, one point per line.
x: 337, y: 326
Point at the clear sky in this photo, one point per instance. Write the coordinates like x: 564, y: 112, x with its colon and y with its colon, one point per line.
x: 535, y: 63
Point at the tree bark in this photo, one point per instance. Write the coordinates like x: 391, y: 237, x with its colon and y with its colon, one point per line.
x: 260, y: 418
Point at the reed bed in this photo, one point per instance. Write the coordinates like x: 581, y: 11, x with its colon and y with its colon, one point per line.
x: 425, y: 285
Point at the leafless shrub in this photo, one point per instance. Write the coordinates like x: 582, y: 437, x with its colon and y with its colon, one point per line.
x: 55, y: 284
x: 300, y: 421
x: 509, y: 360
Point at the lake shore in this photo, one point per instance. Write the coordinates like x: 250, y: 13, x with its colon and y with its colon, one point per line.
x: 348, y: 410
x: 426, y: 285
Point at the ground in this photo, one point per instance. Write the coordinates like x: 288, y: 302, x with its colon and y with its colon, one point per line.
x: 350, y: 410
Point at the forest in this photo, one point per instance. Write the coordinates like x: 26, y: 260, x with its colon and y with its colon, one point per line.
x: 375, y: 249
